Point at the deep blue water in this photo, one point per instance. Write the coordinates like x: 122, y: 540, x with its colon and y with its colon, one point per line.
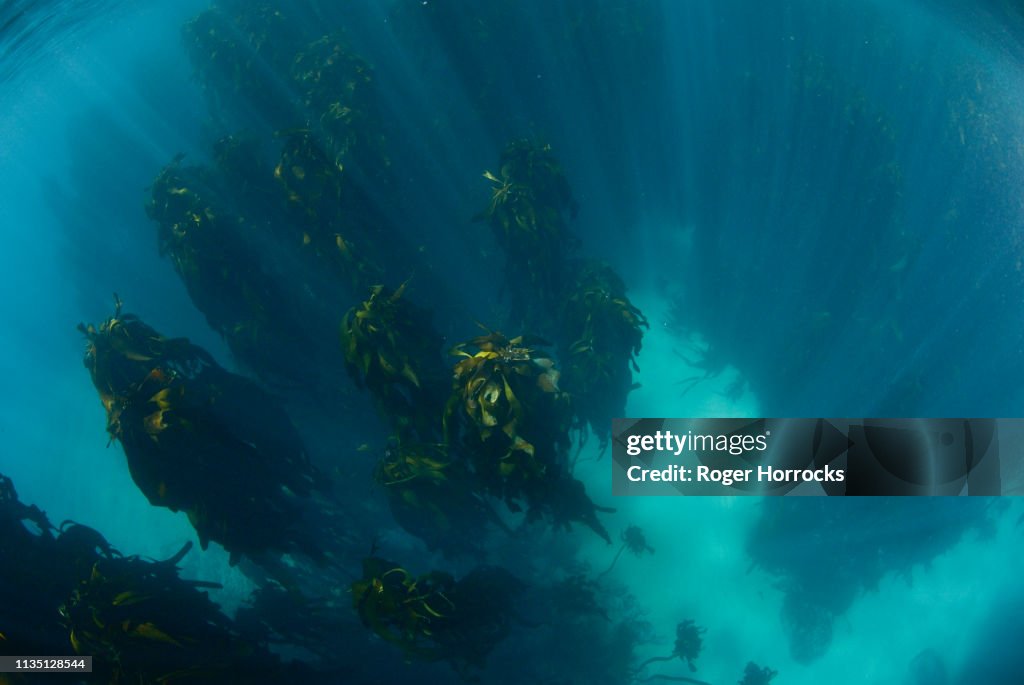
x: 816, y: 205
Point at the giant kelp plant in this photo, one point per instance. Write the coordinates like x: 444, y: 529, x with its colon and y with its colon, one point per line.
x: 285, y: 226
x: 392, y: 349
x: 601, y: 333
x: 216, y: 252
x: 68, y: 591
x: 581, y: 302
x: 509, y: 415
x: 531, y: 203
x: 435, y: 497
x: 849, y: 559
x: 433, y: 616
x: 237, y: 49
x: 202, y: 440
x: 507, y: 391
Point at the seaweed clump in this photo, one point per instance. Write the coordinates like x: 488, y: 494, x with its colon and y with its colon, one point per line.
x: 433, y: 496
x: 144, y: 623
x: 433, y: 617
x: 271, y: 238
x: 757, y: 675
x: 635, y: 541
x: 202, y: 440
x: 237, y: 47
x: 849, y: 560
x: 581, y: 303
x: 336, y: 92
x: 68, y: 587
x: 218, y: 253
x: 531, y: 203
x: 335, y: 161
x: 38, y: 568
x: 689, y: 642
x: 518, y: 417
x: 512, y: 421
x: 392, y: 349
x: 602, y: 333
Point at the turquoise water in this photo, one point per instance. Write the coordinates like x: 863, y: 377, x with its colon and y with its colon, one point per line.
x: 814, y: 205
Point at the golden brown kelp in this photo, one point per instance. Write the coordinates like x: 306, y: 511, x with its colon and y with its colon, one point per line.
x: 241, y: 177
x: 337, y: 95
x: 602, y: 332
x: 229, y: 238
x: 512, y: 421
x: 531, y: 203
x: 320, y: 99
x: 434, y: 617
x: 392, y: 349
x: 517, y: 419
x: 142, y: 623
x: 35, y: 577
x: 217, y: 253
x: 334, y: 167
x: 67, y: 589
x: 333, y: 221
x: 241, y: 52
x: 401, y: 608
x: 433, y: 497
x: 202, y: 440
